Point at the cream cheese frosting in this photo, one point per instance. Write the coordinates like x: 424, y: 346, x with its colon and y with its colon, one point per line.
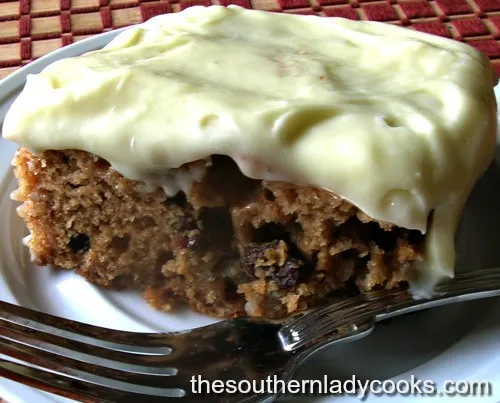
x: 398, y: 122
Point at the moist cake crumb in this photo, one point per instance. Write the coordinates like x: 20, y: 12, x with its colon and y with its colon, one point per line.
x: 232, y: 246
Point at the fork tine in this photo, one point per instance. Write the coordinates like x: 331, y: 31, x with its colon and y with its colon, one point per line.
x: 147, y: 385
x: 88, y: 392
x: 190, y: 352
x: 140, y: 363
x: 69, y: 387
x: 41, y: 380
x: 15, y: 345
x: 187, y: 350
x: 148, y: 343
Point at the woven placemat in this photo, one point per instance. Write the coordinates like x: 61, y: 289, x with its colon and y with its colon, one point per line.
x: 30, y: 29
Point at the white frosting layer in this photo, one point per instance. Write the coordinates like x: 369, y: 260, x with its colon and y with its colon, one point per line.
x: 396, y: 121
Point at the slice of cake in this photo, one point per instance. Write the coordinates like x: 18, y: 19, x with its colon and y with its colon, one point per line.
x: 250, y: 163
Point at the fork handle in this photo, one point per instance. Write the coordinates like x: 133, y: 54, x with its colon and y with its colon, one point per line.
x: 353, y: 318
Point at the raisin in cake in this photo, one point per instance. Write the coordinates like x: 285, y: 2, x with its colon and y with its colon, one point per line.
x: 251, y: 163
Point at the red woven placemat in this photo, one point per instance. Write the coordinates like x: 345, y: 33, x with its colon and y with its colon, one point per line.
x: 30, y: 29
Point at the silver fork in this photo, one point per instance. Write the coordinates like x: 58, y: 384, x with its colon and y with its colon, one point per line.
x: 90, y: 363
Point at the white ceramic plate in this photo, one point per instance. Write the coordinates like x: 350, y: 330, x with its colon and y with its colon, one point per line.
x: 459, y: 342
